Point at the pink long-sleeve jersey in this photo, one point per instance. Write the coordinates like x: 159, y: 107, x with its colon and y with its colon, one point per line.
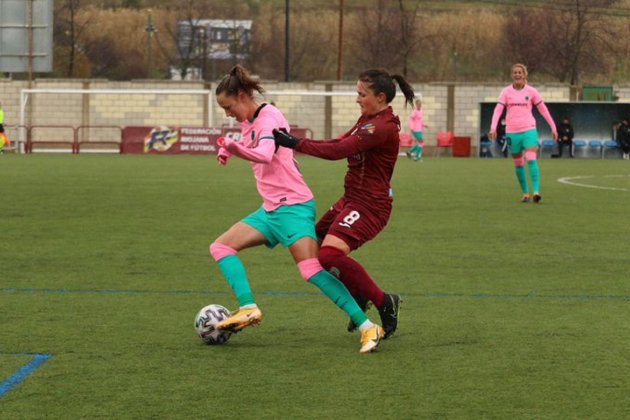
x: 278, y: 178
x: 519, y: 104
x: 416, y: 120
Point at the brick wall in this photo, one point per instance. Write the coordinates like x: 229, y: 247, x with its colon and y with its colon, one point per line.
x: 324, y: 116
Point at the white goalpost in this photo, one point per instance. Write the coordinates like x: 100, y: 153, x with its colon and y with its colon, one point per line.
x: 54, y: 108
x: 55, y: 118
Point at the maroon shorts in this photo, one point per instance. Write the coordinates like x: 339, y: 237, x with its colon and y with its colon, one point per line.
x: 353, y: 222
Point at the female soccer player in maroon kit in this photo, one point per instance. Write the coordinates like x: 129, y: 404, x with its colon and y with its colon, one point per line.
x: 371, y: 147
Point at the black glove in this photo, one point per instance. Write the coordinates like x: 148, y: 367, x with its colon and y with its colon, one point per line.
x: 284, y: 139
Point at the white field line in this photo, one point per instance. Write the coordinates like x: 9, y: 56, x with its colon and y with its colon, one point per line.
x: 569, y: 180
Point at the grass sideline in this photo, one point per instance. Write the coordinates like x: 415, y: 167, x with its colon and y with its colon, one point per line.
x: 510, y: 309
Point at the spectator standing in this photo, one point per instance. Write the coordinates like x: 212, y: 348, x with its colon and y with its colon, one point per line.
x: 501, y: 140
x: 485, y: 146
x: 623, y: 137
x: 518, y: 99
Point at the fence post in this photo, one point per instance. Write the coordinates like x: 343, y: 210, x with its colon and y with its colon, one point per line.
x: 328, y: 113
x: 75, y: 141
x: 450, y: 108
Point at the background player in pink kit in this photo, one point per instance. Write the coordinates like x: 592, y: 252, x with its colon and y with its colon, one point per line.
x: 518, y: 99
x: 287, y: 215
x: 371, y: 148
x: 417, y: 126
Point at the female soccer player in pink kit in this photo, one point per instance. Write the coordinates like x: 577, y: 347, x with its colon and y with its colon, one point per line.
x: 519, y: 98
x: 286, y: 217
x: 371, y: 148
x: 417, y: 126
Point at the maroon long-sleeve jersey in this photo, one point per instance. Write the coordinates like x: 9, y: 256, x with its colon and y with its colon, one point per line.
x: 371, y: 147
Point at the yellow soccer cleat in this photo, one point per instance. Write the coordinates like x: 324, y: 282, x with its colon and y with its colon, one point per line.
x: 241, y: 319
x: 370, y: 338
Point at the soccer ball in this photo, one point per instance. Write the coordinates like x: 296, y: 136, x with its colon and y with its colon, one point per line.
x: 206, y: 319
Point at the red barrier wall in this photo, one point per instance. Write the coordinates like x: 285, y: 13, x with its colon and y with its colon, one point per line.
x: 177, y: 140
x: 170, y: 140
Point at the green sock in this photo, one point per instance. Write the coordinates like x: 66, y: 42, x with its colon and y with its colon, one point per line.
x: 522, y: 178
x: 337, y: 292
x: 534, y: 173
x: 413, y: 149
x: 418, y: 152
x: 234, y: 271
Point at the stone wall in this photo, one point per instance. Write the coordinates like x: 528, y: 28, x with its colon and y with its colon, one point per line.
x: 325, y: 116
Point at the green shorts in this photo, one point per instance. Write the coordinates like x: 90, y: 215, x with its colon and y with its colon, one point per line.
x: 417, y: 135
x: 286, y: 224
x: 521, y: 141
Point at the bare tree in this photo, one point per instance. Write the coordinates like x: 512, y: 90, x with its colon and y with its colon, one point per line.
x: 267, y: 54
x: 68, y: 31
x: 373, y: 29
x: 313, y: 47
x: 566, y: 39
x: 313, y: 44
x: 526, y: 33
x: 409, y: 37
x: 581, y: 39
x: 192, y: 38
x: 191, y: 47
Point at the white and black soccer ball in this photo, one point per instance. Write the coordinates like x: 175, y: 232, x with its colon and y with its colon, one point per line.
x: 205, y: 321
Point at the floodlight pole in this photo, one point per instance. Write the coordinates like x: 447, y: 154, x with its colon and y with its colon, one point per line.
x: 286, y: 40
x: 30, y: 43
x: 150, y: 30
x: 30, y: 71
x: 340, y: 46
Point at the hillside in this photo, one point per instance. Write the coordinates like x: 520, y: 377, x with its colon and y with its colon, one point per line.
x: 424, y: 40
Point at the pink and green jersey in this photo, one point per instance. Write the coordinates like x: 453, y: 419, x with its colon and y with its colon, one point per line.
x: 278, y: 178
x: 519, y: 104
x: 416, y: 120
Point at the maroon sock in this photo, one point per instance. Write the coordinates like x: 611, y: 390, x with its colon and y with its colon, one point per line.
x: 352, y: 274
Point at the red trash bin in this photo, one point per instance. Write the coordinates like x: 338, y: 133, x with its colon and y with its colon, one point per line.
x: 461, y: 147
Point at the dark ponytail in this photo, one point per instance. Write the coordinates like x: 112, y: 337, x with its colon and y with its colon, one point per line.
x: 406, y: 88
x: 381, y: 81
x: 238, y: 80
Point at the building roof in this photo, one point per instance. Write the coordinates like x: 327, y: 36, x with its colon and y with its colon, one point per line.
x: 220, y: 23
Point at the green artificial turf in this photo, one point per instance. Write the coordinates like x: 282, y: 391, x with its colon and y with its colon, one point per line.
x: 510, y: 310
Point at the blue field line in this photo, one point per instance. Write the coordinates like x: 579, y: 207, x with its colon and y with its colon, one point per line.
x: 19, y: 376
x: 500, y: 296
x: 140, y: 292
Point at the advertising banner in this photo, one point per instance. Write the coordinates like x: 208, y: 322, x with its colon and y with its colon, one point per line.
x: 182, y: 140
x: 170, y: 140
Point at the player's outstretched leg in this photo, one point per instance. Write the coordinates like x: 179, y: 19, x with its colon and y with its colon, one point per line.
x: 364, y: 305
x: 234, y: 271
x: 312, y: 271
x: 356, y: 278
